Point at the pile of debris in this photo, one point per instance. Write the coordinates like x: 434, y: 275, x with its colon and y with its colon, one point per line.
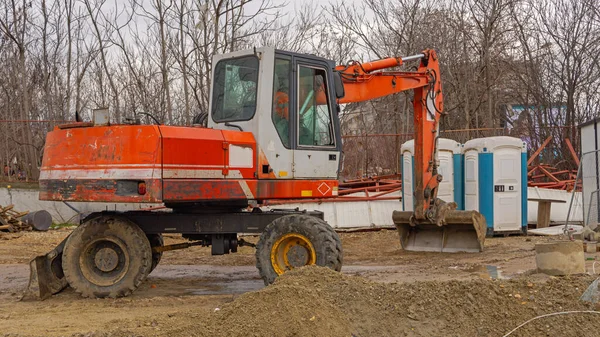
x: 11, y: 220
x: 547, y: 176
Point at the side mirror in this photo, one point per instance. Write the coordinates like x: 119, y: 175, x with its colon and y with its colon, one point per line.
x: 339, y: 85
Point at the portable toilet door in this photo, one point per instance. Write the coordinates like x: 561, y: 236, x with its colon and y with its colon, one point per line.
x: 450, y: 167
x: 471, y: 158
x: 502, y: 199
x: 407, y: 166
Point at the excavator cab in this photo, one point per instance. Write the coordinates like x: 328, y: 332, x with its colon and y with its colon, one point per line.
x: 289, y: 103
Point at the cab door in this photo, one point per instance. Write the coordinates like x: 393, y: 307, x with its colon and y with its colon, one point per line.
x: 316, y: 137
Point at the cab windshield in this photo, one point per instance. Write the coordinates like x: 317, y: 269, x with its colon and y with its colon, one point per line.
x: 234, y: 92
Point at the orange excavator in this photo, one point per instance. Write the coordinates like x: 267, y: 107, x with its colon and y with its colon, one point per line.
x: 273, y: 132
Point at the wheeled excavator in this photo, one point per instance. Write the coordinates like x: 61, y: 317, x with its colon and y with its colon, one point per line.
x: 273, y: 133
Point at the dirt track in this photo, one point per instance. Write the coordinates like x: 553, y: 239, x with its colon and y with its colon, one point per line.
x: 189, y: 285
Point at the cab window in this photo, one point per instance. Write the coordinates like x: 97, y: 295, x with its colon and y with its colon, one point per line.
x: 281, y: 99
x: 314, y: 109
x: 234, y: 92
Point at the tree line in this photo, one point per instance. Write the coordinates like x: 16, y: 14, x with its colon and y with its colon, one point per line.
x: 527, y: 66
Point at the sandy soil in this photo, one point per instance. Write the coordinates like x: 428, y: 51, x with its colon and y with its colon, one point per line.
x: 181, y: 295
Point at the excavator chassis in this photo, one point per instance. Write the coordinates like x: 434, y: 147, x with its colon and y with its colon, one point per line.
x: 447, y: 230
x: 216, y: 229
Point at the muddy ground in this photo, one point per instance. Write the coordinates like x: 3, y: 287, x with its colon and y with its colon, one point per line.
x: 384, y: 291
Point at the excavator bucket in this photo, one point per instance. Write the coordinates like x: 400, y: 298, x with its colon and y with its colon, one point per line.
x: 46, y: 276
x: 457, y: 231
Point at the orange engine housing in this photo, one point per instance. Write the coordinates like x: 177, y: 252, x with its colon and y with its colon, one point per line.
x: 170, y: 164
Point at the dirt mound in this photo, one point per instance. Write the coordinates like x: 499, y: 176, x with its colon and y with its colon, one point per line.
x: 314, y: 301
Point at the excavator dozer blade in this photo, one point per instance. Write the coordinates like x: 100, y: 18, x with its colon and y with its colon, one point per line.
x: 460, y: 231
x: 46, y: 276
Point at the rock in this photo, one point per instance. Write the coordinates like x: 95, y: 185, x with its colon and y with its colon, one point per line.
x: 560, y: 258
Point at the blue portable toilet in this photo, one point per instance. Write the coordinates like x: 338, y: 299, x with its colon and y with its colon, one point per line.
x: 450, y: 167
x: 495, y: 175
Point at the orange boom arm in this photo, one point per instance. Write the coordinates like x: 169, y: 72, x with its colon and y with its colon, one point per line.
x: 366, y: 81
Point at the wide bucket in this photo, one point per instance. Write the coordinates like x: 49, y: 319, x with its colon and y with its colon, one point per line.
x: 460, y: 231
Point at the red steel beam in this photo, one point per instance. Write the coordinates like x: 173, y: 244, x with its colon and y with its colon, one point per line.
x: 550, y: 175
x: 572, y: 150
x: 537, y: 152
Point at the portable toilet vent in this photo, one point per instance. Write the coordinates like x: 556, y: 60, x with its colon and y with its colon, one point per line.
x: 496, y: 182
x: 450, y: 167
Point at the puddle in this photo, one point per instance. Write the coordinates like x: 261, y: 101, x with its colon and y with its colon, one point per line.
x: 485, y: 271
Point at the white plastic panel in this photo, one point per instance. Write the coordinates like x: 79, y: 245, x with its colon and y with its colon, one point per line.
x: 471, y: 180
x: 353, y: 214
x: 491, y: 143
x: 241, y: 157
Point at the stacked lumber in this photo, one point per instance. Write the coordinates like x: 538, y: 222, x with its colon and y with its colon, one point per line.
x: 10, y: 220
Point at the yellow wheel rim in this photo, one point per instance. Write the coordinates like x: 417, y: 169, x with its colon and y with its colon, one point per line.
x: 290, y: 251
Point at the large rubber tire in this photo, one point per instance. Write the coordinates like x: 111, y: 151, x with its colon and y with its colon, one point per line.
x: 103, y: 243
x: 156, y: 240
x: 325, y: 241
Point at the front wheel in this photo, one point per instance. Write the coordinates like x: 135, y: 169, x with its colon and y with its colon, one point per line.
x: 106, y: 257
x: 294, y: 241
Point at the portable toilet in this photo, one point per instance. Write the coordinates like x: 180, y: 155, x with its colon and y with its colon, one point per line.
x: 496, y: 182
x: 450, y: 167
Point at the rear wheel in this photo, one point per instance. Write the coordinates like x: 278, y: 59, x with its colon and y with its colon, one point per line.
x: 106, y: 257
x: 156, y: 240
x: 294, y: 241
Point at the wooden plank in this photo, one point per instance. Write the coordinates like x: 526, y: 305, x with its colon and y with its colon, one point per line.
x: 537, y: 152
x: 19, y: 214
x: 543, y: 214
x: 7, y: 208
